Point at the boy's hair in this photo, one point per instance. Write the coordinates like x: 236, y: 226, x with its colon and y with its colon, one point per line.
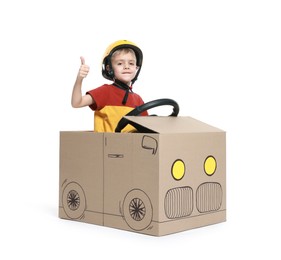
x: 125, y: 50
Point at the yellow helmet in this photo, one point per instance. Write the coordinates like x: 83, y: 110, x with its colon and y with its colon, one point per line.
x: 109, y: 74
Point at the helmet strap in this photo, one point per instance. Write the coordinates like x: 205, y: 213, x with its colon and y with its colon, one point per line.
x: 125, y: 87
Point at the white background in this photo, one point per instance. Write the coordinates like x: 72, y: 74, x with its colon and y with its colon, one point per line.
x: 220, y: 60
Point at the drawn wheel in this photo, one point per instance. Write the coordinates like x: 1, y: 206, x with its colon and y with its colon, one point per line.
x: 73, y: 200
x: 137, y: 210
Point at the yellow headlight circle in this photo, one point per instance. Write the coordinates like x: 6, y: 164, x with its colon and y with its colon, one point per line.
x: 178, y: 169
x: 210, y: 165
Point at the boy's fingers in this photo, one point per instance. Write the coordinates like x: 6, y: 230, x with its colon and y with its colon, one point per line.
x: 82, y: 60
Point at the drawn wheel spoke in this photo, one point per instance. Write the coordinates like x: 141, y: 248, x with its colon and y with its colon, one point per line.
x: 73, y: 200
x: 137, y: 209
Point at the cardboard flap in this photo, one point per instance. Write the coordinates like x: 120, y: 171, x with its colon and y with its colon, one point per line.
x: 168, y: 124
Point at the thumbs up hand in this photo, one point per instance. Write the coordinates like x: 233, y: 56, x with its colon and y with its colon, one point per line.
x: 84, y: 69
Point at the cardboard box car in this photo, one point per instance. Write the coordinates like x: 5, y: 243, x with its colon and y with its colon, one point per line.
x: 169, y: 177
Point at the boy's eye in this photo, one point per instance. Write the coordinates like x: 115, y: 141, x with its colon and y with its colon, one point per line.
x: 120, y: 63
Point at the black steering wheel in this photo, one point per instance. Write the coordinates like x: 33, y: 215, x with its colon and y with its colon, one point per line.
x: 138, y: 110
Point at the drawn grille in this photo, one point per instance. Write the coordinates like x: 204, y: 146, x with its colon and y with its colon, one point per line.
x: 209, y: 197
x: 178, y: 202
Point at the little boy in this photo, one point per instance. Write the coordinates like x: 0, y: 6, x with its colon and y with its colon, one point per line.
x: 122, y: 64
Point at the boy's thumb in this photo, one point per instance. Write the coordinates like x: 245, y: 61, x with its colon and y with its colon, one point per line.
x: 82, y: 60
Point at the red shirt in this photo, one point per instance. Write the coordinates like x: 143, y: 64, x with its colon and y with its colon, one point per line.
x: 108, y: 106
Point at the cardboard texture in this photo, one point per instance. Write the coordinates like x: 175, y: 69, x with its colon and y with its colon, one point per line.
x: 168, y: 178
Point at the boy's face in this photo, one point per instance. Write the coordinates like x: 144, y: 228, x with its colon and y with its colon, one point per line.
x: 124, y: 66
